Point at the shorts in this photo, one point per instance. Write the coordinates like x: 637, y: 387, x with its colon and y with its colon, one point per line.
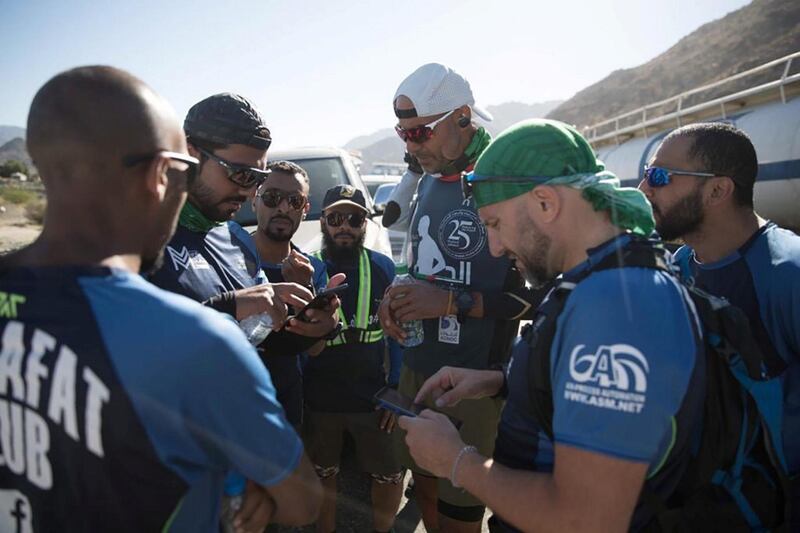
x: 375, y: 450
x: 479, y: 428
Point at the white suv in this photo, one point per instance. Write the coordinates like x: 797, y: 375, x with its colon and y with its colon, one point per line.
x: 326, y: 168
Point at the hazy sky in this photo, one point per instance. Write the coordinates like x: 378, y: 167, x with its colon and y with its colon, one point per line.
x: 322, y: 72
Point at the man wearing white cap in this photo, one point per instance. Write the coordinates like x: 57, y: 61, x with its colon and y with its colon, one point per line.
x: 469, y: 301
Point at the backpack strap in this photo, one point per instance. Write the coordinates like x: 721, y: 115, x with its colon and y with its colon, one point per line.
x: 639, y: 252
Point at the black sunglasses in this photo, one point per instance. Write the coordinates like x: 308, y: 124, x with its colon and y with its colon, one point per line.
x: 241, y: 175
x: 191, y: 162
x: 355, y: 220
x: 273, y: 198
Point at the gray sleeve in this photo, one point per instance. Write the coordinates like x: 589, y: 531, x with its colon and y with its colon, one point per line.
x: 403, y: 196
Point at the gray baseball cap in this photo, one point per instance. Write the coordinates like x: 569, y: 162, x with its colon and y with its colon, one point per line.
x: 227, y: 118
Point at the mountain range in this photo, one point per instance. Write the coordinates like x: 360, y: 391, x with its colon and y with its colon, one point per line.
x: 750, y: 36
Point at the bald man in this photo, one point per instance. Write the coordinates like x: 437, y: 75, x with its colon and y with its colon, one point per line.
x: 106, y: 421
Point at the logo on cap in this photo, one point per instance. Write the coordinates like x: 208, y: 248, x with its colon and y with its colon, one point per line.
x: 347, y: 191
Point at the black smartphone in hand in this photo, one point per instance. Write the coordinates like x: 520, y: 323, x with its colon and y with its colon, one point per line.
x: 391, y: 400
x: 321, y: 300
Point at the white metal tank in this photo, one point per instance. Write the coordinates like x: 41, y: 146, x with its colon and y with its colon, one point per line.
x: 774, y: 129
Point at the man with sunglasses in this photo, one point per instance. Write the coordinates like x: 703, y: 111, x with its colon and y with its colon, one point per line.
x: 123, y: 406
x: 211, y: 258
x: 280, y: 205
x: 618, y: 343
x: 340, y: 383
x: 700, y: 182
x: 469, y: 301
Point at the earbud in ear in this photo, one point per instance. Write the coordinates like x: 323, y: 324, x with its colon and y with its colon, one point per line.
x: 463, y: 121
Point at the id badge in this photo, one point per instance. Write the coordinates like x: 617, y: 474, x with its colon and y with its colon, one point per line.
x: 449, y: 329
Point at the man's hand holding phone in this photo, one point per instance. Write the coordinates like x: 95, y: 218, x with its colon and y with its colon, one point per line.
x: 320, y: 318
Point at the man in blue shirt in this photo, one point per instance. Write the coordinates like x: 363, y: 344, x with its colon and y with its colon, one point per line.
x: 280, y: 204
x: 700, y: 182
x: 622, y: 359
x: 210, y: 258
x: 123, y: 406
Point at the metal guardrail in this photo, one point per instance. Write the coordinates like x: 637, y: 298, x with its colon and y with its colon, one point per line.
x: 615, y: 132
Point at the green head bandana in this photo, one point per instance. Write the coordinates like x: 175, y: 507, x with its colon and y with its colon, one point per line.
x: 539, y: 151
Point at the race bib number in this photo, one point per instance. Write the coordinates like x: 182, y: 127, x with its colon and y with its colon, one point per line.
x: 449, y: 329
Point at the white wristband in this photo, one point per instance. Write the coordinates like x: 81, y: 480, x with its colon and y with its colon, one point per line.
x: 465, y: 450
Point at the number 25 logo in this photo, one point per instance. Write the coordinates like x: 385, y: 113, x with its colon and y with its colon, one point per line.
x: 458, y: 233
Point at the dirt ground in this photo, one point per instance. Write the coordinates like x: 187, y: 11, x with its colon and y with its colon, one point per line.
x: 15, y: 229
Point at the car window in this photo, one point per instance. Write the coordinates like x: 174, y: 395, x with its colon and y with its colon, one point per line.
x: 323, y: 173
x: 383, y: 193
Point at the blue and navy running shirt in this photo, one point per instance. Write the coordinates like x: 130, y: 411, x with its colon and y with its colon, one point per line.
x: 762, y: 278
x: 123, y: 407
x: 624, y: 377
x: 285, y: 370
x: 205, y: 264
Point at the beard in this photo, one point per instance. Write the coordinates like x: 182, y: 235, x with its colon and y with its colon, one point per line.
x: 533, y: 256
x: 280, y: 234
x: 213, y: 208
x: 343, y: 253
x: 682, y: 218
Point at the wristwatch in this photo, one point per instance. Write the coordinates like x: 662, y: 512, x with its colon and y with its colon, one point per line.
x: 464, y: 302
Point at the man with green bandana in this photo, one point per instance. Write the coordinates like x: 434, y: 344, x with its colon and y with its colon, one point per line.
x: 619, y: 353
x: 469, y: 301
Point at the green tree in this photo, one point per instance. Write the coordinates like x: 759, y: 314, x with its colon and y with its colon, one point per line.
x: 12, y: 165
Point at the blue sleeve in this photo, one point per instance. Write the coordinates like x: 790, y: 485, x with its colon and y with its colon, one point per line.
x: 204, y: 397
x: 385, y: 263
x: 622, y: 359
x: 774, y: 261
x: 320, y: 277
x: 249, y: 245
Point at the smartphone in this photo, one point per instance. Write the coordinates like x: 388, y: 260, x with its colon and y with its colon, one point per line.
x: 393, y: 401
x: 321, y: 300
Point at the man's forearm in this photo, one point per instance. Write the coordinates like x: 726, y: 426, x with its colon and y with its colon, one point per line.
x: 527, y: 500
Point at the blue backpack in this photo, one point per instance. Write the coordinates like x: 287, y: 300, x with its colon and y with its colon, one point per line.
x: 736, y: 479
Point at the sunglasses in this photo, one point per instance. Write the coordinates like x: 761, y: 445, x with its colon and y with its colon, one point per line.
x: 420, y: 134
x: 355, y: 220
x: 468, y: 179
x: 191, y: 163
x: 273, y: 198
x: 241, y: 175
x: 661, y: 177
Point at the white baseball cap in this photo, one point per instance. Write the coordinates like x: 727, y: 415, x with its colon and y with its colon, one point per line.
x: 435, y: 89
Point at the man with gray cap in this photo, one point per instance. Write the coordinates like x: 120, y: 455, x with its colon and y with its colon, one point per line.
x: 465, y: 297
x: 211, y: 258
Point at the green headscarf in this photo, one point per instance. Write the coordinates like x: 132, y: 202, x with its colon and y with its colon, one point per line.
x: 540, y: 151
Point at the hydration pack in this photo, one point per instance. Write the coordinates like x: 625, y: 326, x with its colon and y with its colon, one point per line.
x: 736, y: 478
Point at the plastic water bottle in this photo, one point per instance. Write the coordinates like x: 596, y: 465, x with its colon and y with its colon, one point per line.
x: 256, y: 327
x: 413, y: 329
x: 232, y: 500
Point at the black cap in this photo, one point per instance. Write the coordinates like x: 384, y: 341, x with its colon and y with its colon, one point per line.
x: 344, y: 195
x: 227, y: 118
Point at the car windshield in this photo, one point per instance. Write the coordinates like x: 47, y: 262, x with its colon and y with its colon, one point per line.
x: 323, y: 173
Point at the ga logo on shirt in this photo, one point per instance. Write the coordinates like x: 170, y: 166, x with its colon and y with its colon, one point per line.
x: 613, y: 377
